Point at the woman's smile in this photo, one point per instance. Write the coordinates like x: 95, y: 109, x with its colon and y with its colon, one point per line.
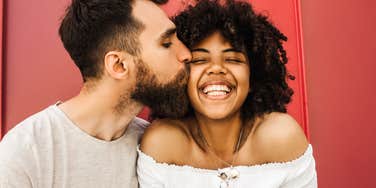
x: 216, y: 89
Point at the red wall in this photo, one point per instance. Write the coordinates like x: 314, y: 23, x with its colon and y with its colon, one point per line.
x: 37, y: 70
x: 340, y: 44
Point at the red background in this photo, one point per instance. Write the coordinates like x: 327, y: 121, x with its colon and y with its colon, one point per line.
x: 338, y: 40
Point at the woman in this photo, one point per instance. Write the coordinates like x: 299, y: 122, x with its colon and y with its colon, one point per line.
x: 238, y: 134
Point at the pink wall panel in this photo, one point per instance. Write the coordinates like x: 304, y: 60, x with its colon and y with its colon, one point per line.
x: 340, y: 49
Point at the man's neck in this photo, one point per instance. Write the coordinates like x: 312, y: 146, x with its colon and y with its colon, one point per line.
x: 95, y: 114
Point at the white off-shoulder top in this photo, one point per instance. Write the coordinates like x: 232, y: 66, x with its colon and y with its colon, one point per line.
x: 297, y: 173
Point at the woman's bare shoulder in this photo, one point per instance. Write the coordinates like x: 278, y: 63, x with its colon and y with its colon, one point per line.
x: 279, y: 138
x: 166, y: 140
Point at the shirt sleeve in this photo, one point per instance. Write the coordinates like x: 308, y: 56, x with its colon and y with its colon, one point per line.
x: 15, y: 162
x: 302, y: 173
x: 150, y: 175
x: 12, y: 178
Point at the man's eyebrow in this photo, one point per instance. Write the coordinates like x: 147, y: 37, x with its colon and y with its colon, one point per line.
x: 232, y: 50
x: 200, y: 50
x: 168, y: 33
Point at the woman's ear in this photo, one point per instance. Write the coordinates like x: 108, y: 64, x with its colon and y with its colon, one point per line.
x: 116, y: 64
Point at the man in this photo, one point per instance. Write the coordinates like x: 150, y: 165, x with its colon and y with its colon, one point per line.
x: 129, y: 56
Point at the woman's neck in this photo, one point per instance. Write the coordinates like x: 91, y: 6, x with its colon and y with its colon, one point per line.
x: 221, y: 135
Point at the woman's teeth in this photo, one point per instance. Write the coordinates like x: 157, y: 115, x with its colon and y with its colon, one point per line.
x: 216, y: 90
x: 216, y: 93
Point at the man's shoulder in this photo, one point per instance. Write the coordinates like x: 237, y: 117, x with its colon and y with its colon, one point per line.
x: 137, y: 126
x: 139, y: 123
x: 21, y: 138
x: 29, y: 127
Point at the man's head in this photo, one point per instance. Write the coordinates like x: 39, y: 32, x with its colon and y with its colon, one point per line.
x: 118, y: 39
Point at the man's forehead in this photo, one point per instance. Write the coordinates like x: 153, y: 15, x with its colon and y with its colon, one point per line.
x: 151, y: 16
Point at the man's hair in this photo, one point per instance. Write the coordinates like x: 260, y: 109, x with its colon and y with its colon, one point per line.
x: 91, y: 28
x: 244, y: 29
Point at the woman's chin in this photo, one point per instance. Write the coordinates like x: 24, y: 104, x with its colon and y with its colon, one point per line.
x: 216, y: 114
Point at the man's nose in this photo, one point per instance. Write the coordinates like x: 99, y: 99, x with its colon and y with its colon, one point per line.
x: 184, y: 54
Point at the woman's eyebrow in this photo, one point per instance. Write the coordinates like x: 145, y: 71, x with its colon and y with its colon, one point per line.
x: 232, y: 50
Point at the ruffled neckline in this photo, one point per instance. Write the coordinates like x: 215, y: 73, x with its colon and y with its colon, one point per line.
x: 242, y: 168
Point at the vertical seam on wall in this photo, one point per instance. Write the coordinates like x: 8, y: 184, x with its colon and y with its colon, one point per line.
x: 1, y: 66
x: 299, y: 29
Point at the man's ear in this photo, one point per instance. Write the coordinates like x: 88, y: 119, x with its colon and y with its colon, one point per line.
x: 116, y: 64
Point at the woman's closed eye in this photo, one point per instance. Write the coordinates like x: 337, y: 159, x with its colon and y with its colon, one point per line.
x: 234, y: 60
x: 196, y: 61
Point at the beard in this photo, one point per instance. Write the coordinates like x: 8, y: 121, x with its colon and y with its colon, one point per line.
x: 168, y: 100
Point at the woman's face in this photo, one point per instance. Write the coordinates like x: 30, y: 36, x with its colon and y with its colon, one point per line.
x: 219, y: 78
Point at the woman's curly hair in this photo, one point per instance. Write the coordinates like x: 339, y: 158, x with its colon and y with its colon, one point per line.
x: 244, y: 29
